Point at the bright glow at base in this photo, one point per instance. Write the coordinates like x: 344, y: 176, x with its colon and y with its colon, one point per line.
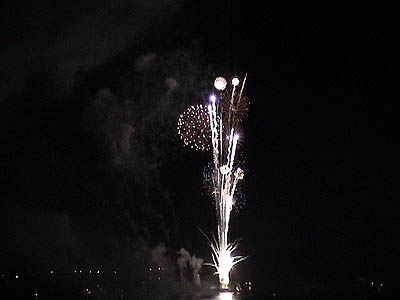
x: 225, y: 262
x: 225, y: 296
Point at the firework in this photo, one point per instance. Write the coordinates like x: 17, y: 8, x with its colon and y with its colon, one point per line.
x: 226, y: 115
x: 235, y: 105
x: 194, y: 128
x: 217, y: 127
x: 220, y: 83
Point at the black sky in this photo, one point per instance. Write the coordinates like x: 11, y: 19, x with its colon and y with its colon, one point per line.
x: 87, y: 107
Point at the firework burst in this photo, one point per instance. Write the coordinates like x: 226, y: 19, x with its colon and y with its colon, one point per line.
x: 194, y: 128
x: 236, y: 106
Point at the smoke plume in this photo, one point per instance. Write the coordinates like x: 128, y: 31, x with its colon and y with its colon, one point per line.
x: 189, y: 265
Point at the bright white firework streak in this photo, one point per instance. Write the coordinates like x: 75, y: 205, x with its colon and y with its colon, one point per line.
x: 225, y: 260
x: 241, y: 90
x: 228, y: 207
x: 226, y: 198
x: 224, y: 188
x: 210, y: 114
x: 214, y: 132
x: 233, y: 93
x: 230, y: 145
x: 235, y: 181
x: 220, y: 134
x: 214, y: 141
x: 235, y: 139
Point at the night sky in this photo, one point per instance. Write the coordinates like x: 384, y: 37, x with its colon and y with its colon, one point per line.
x: 93, y: 173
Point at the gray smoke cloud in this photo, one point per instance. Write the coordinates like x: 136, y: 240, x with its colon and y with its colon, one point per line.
x: 189, y: 264
x: 135, y: 128
x: 120, y: 213
x: 58, y: 242
x: 93, y: 193
x: 145, y: 61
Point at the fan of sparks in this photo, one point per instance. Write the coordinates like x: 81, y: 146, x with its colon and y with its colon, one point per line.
x: 217, y: 127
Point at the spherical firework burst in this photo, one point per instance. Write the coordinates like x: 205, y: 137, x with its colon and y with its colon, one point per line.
x: 220, y: 83
x: 194, y: 128
x: 235, y: 81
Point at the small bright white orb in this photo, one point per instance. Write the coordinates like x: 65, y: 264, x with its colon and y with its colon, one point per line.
x: 220, y: 83
x: 212, y: 98
x: 224, y: 169
x: 235, y: 81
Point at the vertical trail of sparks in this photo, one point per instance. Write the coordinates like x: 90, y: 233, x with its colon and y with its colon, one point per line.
x: 225, y: 181
x: 216, y: 127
